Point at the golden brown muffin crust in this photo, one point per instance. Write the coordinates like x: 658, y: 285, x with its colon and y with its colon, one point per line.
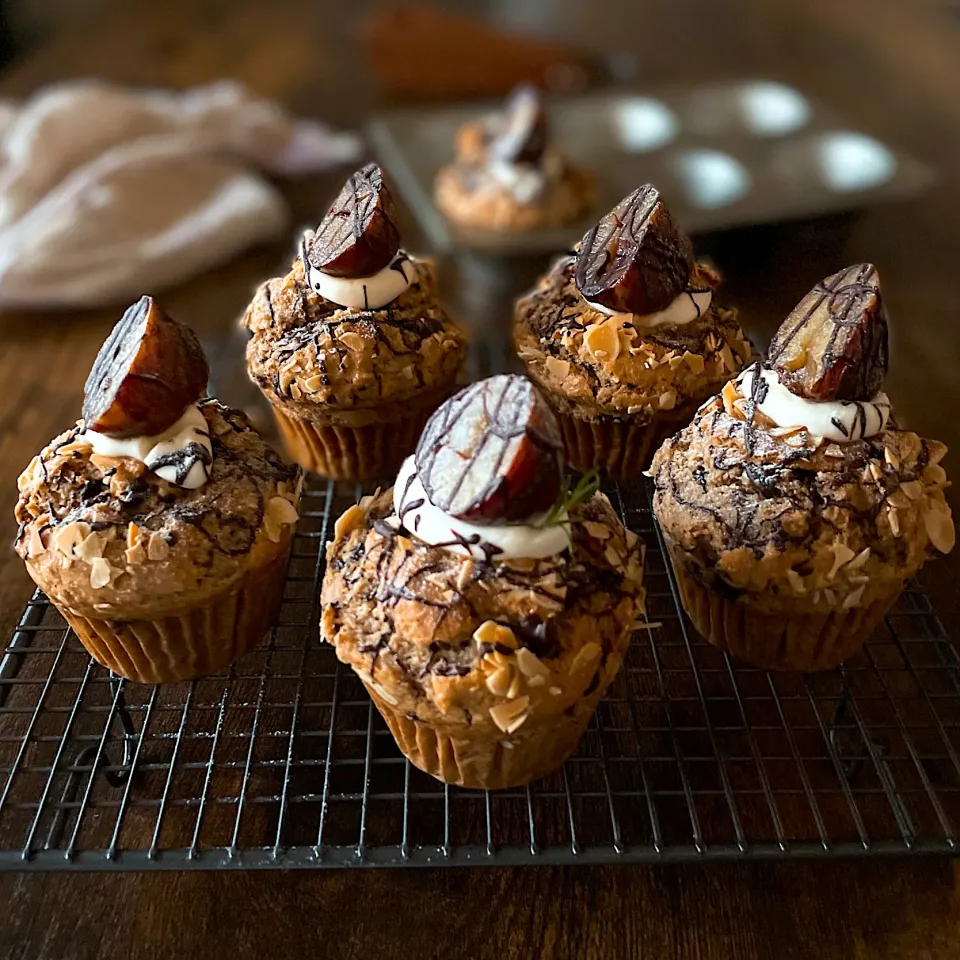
x: 319, y: 360
x: 606, y: 366
x: 777, y: 515
x: 108, y: 538
x: 428, y: 628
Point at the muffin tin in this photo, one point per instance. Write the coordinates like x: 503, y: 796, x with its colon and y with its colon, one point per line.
x: 724, y: 155
x: 282, y: 760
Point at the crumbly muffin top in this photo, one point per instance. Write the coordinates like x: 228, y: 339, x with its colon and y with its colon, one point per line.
x: 429, y: 628
x: 108, y: 537
x: 306, y: 351
x: 603, y: 365
x: 776, y: 512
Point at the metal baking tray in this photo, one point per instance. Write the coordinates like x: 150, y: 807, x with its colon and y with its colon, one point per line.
x: 724, y: 155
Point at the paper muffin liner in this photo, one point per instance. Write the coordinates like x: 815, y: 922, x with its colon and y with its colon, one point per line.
x: 201, y: 640
x: 778, y: 641
x: 473, y: 755
x: 620, y: 448
x: 365, y: 452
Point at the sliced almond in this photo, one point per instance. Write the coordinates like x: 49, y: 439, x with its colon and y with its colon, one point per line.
x: 35, y: 545
x: 136, y: 554
x: 352, y: 341
x: 853, y: 599
x: 68, y: 538
x: 90, y: 547
x: 555, y: 691
x: 100, y: 572
x: 602, y: 341
x: 892, y: 459
x: 557, y: 367
x: 295, y: 392
x: 668, y: 399
x: 496, y: 633
x: 939, y: 525
x: 599, y: 531
x: 726, y: 358
x: 133, y: 534
x: 313, y: 384
x: 899, y: 500
x: 935, y: 475
x: 348, y: 521
x: 894, y: 521
x: 859, y: 560
x: 936, y: 451
x: 531, y: 665
x: 507, y: 716
x: 841, y: 554
x: 913, y: 489
x: 157, y: 547
x: 835, y: 451
x: 282, y: 511
x: 694, y: 361
x: 796, y: 581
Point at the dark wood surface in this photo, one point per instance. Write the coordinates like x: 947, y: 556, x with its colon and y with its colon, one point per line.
x: 891, y: 68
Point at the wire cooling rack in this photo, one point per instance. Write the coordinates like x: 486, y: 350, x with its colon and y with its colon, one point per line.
x: 282, y: 761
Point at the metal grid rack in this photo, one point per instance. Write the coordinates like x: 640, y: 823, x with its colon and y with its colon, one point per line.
x: 282, y: 761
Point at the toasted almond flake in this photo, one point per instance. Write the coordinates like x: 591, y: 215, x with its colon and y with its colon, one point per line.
x: 506, y: 744
x: 668, y: 399
x: 815, y: 599
x: 813, y: 440
x: 28, y: 475
x: 157, y: 547
x: 936, y: 451
x: 352, y: 341
x: 796, y: 581
x: 104, y: 463
x: 465, y: 574
x: 133, y: 533
x: 67, y: 538
x: 35, y: 542
x: 492, y: 632
x: 349, y: 520
x: 537, y: 682
x: 313, y: 384
x: 876, y: 471
x: 694, y: 362
x: 515, y: 684
x: 939, y: 525
x: 892, y: 459
x: 599, y: 531
x: 586, y: 655
x: 505, y: 715
x: 853, y: 599
x: 557, y: 367
x: 530, y: 664
x: 909, y: 447
x: 858, y: 578
x: 555, y: 691
x: 835, y: 451
x: 602, y: 341
x: 841, y: 554
x: 899, y: 500
x: 515, y: 725
x: 726, y: 357
x: 295, y: 392
x: 935, y: 475
x: 100, y: 572
x: 894, y: 521
x: 136, y: 554
x: 913, y: 489
x: 675, y: 362
x: 282, y: 511
x: 90, y: 547
x: 859, y: 560
x: 711, y: 341
x: 781, y: 432
x: 528, y: 353
x: 795, y: 440
x: 635, y: 408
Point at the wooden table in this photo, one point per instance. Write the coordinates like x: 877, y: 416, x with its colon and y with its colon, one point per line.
x: 889, y: 66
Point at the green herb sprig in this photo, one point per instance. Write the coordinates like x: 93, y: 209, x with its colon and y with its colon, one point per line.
x: 570, y: 497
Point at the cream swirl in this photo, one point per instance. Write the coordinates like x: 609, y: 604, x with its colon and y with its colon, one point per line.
x: 181, y: 454
x: 839, y: 420
x: 505, y: 541
x: 689, y: 306
x: 525, y: 182
x: 361, y: 293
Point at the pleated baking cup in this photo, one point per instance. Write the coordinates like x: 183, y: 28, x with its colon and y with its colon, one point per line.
x: 357, y: 452
x: 621, y: 448
x: 479, y: 756
x: 201, y: 640
x: 778, y: 641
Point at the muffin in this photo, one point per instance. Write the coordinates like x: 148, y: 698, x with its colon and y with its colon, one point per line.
x: 508, y: 176
x: 485, y: 605
x: 352, y: 348
x: 625, y: 338
x: 160, y: 524
x: 793, y: 507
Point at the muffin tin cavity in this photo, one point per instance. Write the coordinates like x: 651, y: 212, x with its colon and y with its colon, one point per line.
x: 724, y: 155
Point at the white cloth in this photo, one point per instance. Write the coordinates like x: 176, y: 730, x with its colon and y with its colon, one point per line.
x: 108, y: 193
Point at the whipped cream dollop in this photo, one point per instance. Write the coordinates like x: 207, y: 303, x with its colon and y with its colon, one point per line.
x: 181, y: 454
x: 505, y: 541
x: 839, y: 420
x: 689, y: 306
x: 361, y: 293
